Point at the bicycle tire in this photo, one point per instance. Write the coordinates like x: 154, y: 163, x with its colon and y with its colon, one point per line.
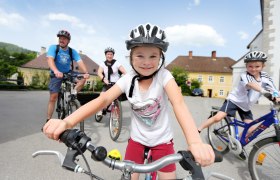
x: 217, y: 134
x: 264, y: 159
x: 60, y: 108
x: 115, y: 120
x: 98, y: 118
x: 72, y: 106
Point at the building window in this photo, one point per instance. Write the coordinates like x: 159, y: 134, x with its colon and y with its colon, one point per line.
x: 222, y: 79
x: 199, y: 78
x: 210, y: 79
x: 221, y: 92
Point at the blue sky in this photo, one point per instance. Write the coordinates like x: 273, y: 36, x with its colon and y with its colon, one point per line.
x: 201, y: 26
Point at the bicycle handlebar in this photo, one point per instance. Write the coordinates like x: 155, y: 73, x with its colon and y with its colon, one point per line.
x: 69, y: 76
x: 78, y: 143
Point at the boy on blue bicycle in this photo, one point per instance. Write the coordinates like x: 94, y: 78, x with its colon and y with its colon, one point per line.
x: 253, y: 83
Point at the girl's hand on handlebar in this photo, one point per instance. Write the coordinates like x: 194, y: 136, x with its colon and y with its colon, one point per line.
x: 54, y: 127
x: 202, y: 153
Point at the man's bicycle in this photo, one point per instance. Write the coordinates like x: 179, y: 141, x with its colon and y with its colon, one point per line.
x: 264, y: 159
x: 115, y: 119
x: 77, y: 143
x: 67, y: 101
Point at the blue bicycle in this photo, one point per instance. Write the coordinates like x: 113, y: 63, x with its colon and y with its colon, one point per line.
x: 264, y: 158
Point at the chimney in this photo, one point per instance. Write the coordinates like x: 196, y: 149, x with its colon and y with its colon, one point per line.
x: 43, y: 50
x: 214, y: 55
x: 190, y: 54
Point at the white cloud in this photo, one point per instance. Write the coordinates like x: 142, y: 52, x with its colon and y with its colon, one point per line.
x: 11, y: 20
x: 243, y: 35
x: 196, y: 2
x: 194, y: 35
x: 74, y: 21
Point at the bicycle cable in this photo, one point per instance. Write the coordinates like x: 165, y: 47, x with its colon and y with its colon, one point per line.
x: 87, y: 165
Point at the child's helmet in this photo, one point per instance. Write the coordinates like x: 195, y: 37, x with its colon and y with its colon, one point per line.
x: 64, y: 33
x: 255, y: 56
x: 147, y: 35
x: 109, y: 49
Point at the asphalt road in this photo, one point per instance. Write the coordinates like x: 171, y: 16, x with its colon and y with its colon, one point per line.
x: 22, y: 114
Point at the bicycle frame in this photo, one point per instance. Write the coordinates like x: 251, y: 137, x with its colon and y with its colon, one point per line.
x: 66, y: 87
x: 267, y: 120
x: 68, y: 96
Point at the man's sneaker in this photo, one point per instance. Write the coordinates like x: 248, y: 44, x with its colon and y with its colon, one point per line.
x: 242, y: 156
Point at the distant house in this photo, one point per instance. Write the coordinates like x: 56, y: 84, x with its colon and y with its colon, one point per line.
x: 37, y: 70
x: 214, y: 72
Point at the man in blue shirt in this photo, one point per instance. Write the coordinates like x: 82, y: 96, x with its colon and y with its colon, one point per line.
x: 59, y: 61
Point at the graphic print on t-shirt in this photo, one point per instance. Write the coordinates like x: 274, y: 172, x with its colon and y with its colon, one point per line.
x: 147, y: 111
x: 63, y: 58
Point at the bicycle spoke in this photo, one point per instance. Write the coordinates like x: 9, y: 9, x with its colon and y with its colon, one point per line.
x: 217, y: 135
x: 115, y: 123
x: 264, y: 160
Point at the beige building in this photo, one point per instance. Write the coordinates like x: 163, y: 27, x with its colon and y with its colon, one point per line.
x: 214, y: 72
x: 37, y: 70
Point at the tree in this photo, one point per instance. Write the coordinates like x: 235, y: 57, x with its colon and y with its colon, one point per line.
x: 181, y: 77
x: 6, y: 70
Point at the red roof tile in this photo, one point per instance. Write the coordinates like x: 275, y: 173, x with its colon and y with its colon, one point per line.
x: 203, y: 64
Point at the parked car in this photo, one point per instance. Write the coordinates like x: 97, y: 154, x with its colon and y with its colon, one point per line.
x: 197, y: 92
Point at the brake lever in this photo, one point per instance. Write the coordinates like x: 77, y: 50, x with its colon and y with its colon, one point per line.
x: 60, y: 156
x: 189, y: 164
x: 69, y: 161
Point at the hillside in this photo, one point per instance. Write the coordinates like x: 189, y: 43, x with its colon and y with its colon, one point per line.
x: 11, y: 48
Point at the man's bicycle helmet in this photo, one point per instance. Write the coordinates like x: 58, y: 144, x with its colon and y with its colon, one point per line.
x: 64, y: 33
x: 255, y: 56
x: 109, y: 49
x: 147, y: 35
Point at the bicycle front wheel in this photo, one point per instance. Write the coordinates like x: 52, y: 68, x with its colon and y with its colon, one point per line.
x: 72, y: 106
x: 60, y: 108
x: 115, y: 121
x: 264, y: 159
x: 218, y: 135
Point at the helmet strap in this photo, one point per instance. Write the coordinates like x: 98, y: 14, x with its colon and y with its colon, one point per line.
x: 139, y: 77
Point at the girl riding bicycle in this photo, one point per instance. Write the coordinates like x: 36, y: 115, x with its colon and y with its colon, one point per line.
x: 253, y: 83
x: 148, y: 88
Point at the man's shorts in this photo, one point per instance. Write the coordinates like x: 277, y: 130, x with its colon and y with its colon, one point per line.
x: 135, y: 152
x: 230, y: 108
x: 55, y: 84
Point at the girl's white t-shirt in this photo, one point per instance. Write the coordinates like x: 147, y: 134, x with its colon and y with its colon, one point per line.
x: 115, y: 76
x: 150, y: 121
x: 244, y: 97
